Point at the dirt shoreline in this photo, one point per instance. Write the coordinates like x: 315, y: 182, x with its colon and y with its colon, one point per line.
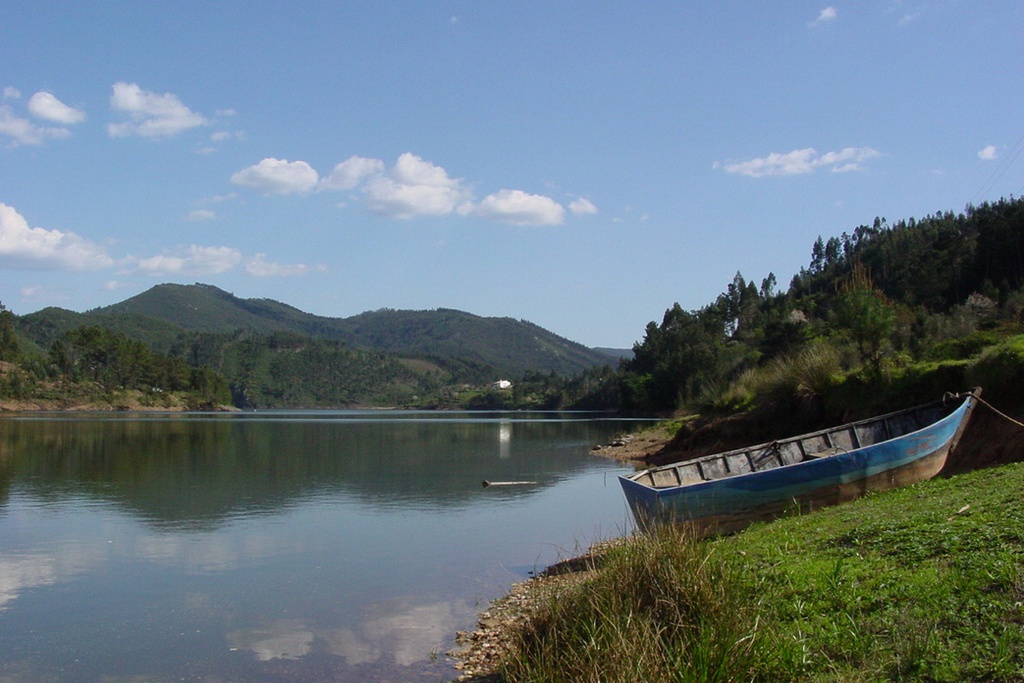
x: 171, y: 404
x: 639, y: 447
x: 478, y: 653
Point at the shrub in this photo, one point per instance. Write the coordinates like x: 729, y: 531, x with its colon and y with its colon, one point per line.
x: 1000, y: 369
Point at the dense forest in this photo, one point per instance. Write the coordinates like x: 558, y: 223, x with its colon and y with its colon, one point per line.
x: 872, y: 304
x: 89, y: 363
x: 245, y: 369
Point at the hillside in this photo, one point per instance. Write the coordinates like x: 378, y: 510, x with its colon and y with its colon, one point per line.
x: 205, y: 308
x: 516, y: 346
x: 161, y: 314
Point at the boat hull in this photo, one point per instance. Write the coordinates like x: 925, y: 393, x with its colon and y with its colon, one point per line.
x: 732, y: 502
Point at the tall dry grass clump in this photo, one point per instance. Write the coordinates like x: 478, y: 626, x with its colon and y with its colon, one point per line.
x: 809, y: 372
x: 662, y: 607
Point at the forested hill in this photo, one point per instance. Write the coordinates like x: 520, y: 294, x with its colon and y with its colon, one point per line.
x: 885, y: 303
x: 161, y: 314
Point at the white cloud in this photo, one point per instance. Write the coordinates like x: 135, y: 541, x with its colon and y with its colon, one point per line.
x: 412, y: 170
x: 151, y: 115
x: 386, y: 197
x: 278, y: 176
x: 415, y: 188
x: 801, y: 161
x: 351, y: 172
x: 848, y: 159
x: 200, y: 215
x: 24, y: 132
x: 12, y: 93
x: 790, y: 163
x: 989, y: 153
x: 519, y: 208
x: 221, y: 136
x: 225, y: 135
x: 195, y: 260
x: 49, y: 296
x: 826, y: 15
x: 582, y: 207
x: 412, y: 187
x: 45, y: 105
x: 220, y: 198
x: 37, y: 248
x: 259, y: 266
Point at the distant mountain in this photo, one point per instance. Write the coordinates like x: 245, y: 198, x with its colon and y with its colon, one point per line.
x: 160, y: 314
x: 205, y: 308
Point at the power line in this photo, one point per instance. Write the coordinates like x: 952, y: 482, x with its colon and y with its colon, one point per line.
x: 1002, y: 168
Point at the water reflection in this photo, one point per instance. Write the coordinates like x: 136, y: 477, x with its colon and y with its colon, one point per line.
x: 289, y: 547
x: 18, y: 574
x: 198, y: 472
x: 285, y: 639
x: 400, y: 632
x: 504, y: 439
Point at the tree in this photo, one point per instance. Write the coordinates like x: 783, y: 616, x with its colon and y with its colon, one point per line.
x: 677, y: 360
x: 9, y: 349
x: 866, y: 315
x: 818, y: 256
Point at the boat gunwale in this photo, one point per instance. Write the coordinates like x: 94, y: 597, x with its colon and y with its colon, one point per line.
x: 964, y: 397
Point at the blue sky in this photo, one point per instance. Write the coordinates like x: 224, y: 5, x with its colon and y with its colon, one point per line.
x: 581, y: 165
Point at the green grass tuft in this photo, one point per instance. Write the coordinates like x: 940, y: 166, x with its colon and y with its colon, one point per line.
x: 660, y: 608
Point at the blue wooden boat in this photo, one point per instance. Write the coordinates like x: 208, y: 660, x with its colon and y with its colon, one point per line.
x: 727, y: 491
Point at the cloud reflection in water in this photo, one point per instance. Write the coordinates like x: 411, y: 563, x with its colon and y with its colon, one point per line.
x: 400, y: 630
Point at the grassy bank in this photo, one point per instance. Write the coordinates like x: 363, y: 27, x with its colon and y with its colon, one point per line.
x: 923, y: 583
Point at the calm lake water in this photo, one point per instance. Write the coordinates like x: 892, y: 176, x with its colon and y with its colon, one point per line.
x: 280, y: 546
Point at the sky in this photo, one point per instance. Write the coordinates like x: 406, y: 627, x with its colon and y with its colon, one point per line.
x: 580, y: 165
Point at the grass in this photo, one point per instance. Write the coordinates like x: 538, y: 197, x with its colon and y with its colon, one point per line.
x: 809, y: 372
x: 659, y: 608
x: 925, y: 583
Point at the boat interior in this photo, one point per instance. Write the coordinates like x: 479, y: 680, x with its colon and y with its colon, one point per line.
x: 794, y: 450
